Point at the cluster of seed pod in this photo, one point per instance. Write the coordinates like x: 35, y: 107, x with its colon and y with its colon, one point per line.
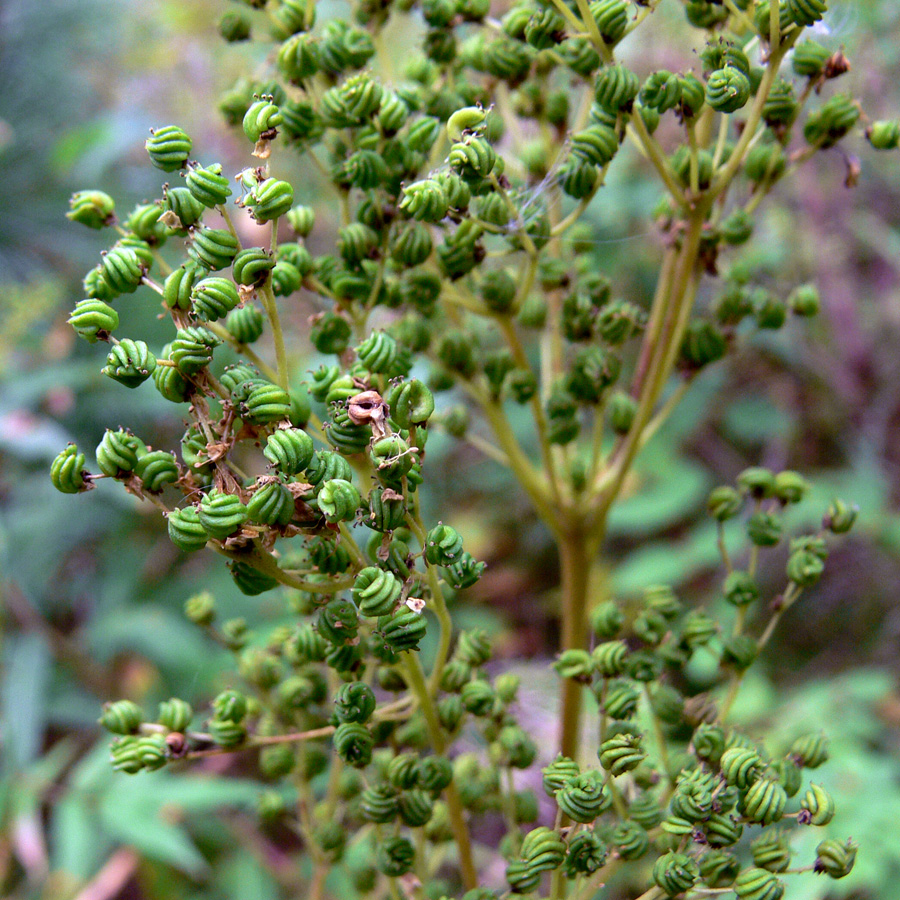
x: 459, y: 243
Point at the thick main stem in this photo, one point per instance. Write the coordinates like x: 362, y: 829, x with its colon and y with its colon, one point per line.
x: 577, y: 548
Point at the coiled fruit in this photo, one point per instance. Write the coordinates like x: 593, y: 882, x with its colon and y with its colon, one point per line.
x: 93, y: 320
x: 169, y: 148
x: 289, y: 450
x: 186, y: 531
x: 130, y: 363
x: 376, y: 591
x: 222, y: 514
x: 209, y: 186
x: 251, y: 267
x: 117, y: 453
x: 156, y: 469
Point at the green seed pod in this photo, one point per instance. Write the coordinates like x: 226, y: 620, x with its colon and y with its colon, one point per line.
x: 740, y: 589
x: 378, y: 352
x: 353, y: 743
x: 804, y: 300
x: 840, y: 517
x: 884, y: 135
x: 586, y: 854
x: 597, y: 144
x: 758, y: 884
x: 737, y: 227
x: 741, y: 766
x: 621, y: 753
x: 477, y: 697
x: 584, y: 797
x: 192, y: 349
x: 403, y: 630
x: 610, y: 658
x: 616, y: 88
x: 269, y: 200
x: 558, y: 774
x: 213, y: 249
x: 251, y: 267
x: 473, y: 647
x: 354, y: 702
x: 473, y: 158
x: 172, y: 384
x: 810, y: 751
x: 338, y: 500
x: 761, y: 17
x: 178, y: 286
x: 249, y: 580
x: 675, y: 873
x: 130, y: 363
x: 271, y: 504
x: 262, y: 119
x: 376, y: 591
x: 265, y: 404
x: 387, y: 510
x: 121, y: 717
x: 395, y: 857
x: 302, y: 219
x: 833, y: 120
x: 764, y: 528
x: 543, y: 849
x: 276, y: 761
x: 764, y: 802
x: 144, y: 223
x: 93, y: 320
x: 758, y: 482
x: 245, y: 324
x: 213, y: 298
x: 175, y: 714
x: 809, y: 59
x: 117, y: 453
x: 804, y: 568
x: 96, y: 287
x: 465, y: 121
x: 415, y: 807
x: 631, y: 841
x: 771, y: 851
x: 593, y: 371
x: 464, y: 572
x: 325, y: 466
x: 186, y: 530
x: 766, y: 161
x: 780, y: 107
x: 513, y: 746
x: 125, y: 757
x: 433, y: 773
x: 606, y: 619
x: 92, y: 208
x: 835, y: 858
x: 234, y: 27
x: 789, y: 775
x: 299, y: 58
x: 722, y: 830
x: 805, y: 12
x: 545, y: 29
x: 521, y: 877
x: 156, y: 469
x: 379, y: 803
x: 201, y: 608
x: 290, y: 450
x: 718, y: 869
x: 611, y: 17
x: 152, y: 751
x: 645, y: 810
x: 619, y: 700
x: 450, y: 712
x: 338, y: 621
x: 709, y: 743
x: 411, y: 245
x: 727, y: 90
x: 411, y: 403
x: 208, y: 186
x: 181, y: 210
x: 661, y: 91
x: 169, y: 148
x: 575, y: 664
x: 221, y: 514
x: 227, y: 734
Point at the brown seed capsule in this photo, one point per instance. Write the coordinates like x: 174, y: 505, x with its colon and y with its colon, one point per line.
x: 368, y: 408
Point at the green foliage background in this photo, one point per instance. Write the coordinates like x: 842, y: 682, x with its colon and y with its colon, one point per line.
x: 93, y: 590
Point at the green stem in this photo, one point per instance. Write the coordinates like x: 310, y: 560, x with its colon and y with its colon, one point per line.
x: 267, y: 297
x: 413, y: 669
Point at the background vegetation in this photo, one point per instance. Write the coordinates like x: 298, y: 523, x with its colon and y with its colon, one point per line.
x: 93, y: 589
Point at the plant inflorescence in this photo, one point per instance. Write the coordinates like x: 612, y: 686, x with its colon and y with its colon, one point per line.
x: 463, y: 260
